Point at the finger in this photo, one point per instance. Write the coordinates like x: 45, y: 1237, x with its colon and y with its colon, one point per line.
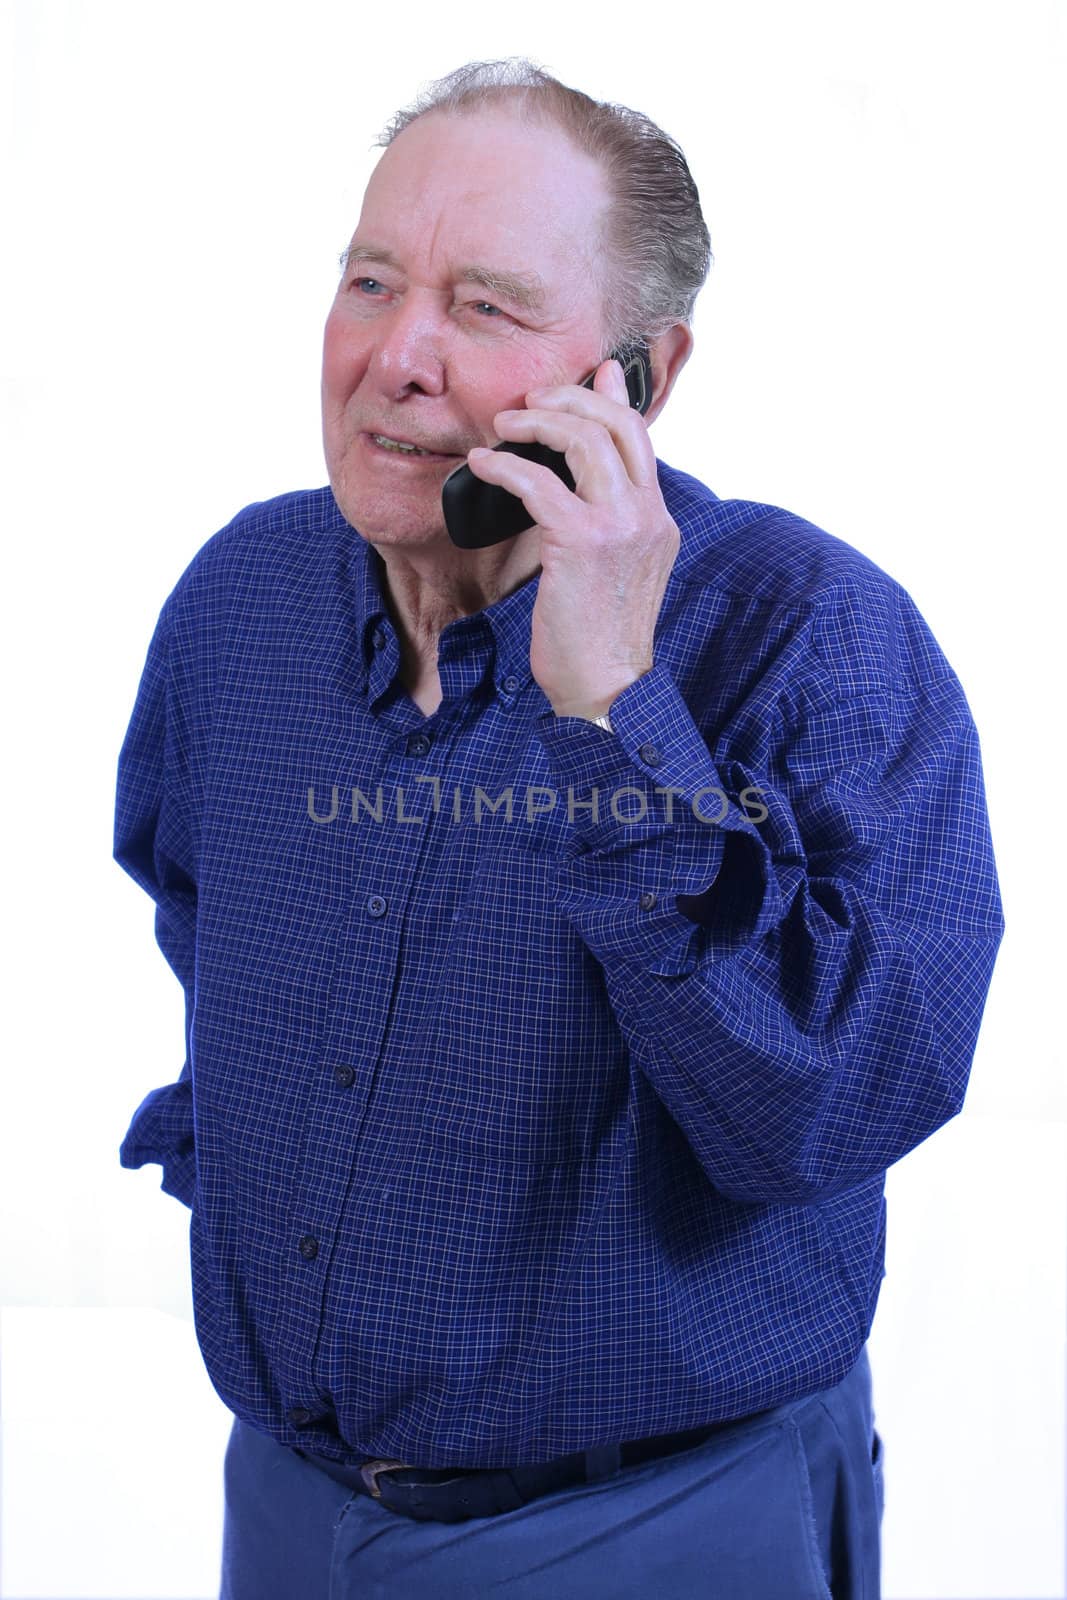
x: 546, y: 497
x: 610, y: 380
x: 591, y: 452
x: 608, y: 403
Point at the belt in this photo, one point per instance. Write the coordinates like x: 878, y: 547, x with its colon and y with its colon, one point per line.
x: 452, y: 1494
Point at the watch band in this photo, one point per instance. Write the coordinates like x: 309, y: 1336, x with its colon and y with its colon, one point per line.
x: 603, y: 721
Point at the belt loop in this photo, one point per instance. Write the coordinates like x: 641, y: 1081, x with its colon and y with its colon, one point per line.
x: 602, y: 1461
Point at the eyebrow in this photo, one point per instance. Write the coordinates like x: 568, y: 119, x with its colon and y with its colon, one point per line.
x: 523, y: 289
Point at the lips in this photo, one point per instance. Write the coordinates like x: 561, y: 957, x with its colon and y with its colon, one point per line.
x: 398, y: 444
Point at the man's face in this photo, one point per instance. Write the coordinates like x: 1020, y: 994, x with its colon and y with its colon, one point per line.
x: 472, y: 278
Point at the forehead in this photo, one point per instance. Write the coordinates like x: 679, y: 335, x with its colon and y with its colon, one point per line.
x: 487, y: 186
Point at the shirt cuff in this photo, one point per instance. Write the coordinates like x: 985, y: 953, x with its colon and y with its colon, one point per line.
x: 162, y: 1131
x: 663, y: 860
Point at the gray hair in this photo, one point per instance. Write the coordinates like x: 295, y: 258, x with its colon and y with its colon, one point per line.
x: 654, y: 240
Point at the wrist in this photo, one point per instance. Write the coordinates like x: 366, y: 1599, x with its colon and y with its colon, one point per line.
x: 592, y: 707
x: 589, y: 711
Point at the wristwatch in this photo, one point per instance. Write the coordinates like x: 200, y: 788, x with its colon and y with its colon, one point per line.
x: 603, y: 721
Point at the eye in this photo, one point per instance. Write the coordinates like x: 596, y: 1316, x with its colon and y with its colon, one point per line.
x: 368, y: 286
x: 484, y: 310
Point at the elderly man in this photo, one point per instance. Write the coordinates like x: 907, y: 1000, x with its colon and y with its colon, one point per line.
x: 574, y: 927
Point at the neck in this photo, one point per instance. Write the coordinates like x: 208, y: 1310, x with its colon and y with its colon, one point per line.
x: 425, y: 591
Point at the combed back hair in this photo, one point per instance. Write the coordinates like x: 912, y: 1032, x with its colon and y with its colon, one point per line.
x: 655, y: 252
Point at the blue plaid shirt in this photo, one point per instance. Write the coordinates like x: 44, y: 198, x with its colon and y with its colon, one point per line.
x: 541, y: 1080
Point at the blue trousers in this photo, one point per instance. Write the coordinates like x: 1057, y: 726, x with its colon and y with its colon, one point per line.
x: 784, y: 1507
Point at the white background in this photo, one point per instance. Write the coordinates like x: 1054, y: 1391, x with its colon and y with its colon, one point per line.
x: 880, y: 349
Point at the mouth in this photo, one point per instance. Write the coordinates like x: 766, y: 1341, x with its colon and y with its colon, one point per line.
x: 386, y: 444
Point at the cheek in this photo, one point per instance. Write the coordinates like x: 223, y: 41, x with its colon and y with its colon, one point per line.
x: 482, y: 383
x: 344, y: 359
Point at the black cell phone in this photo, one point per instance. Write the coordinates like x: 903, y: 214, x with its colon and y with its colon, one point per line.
x: 478, y: 514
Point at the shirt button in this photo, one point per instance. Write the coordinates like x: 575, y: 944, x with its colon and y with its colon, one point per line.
x: 300, y: 1416
x: 309, y: 1247
x: 509, y: 685
x: 377, y: 638
x: 345, y: 1076
x: 650, y: 755
x: 647, y: 900
x: 376, y: 906
x: 418, y: 744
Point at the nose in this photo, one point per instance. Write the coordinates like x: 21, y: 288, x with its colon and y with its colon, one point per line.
x: 408, y: 355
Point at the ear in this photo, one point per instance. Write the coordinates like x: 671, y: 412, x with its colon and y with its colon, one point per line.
x: 669, y: 354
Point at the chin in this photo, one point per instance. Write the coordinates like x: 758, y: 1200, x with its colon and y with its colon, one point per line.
x: 411, y: 521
